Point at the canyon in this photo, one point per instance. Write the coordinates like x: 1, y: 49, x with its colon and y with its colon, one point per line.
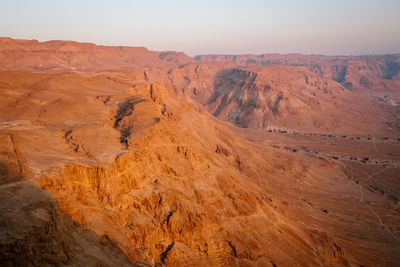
x: 126, y: 156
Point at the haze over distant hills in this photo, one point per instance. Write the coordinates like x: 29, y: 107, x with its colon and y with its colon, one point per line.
x: 126, y: 156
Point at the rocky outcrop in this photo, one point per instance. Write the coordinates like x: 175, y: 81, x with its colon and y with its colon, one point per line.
x: 291, y: 97
x: 35, y: 232
x: 175, y: 57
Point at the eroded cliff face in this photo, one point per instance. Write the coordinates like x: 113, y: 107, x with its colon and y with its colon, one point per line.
x: 36, y: 232
x: 286, y: 98
x: 181, y: 196
x: 373, y: 77
x: 353, y: 72
x: 264, y: 97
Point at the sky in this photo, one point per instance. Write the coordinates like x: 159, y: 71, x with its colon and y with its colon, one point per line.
x: 330, y: 27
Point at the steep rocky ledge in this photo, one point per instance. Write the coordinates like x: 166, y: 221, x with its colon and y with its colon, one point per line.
x: 35, y: 232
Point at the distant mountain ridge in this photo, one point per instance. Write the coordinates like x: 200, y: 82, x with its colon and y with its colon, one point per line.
x: 32, y: 54
x: 353, y: 72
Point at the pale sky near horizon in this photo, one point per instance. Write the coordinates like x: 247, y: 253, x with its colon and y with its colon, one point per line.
x: 330, y: 27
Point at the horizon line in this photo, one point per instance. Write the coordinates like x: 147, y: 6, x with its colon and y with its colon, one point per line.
x: 205, y: 54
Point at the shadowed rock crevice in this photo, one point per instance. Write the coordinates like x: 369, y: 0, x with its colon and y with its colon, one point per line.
x: 75, y: 145
x: 168, y: 217
x: 391, y: 68
x: 339, y: 73
x: 234, y: 89
x: 276, y: 104
x: 233, y: 248
x: 125, y: 109
x: 164, y: 255
x: 221, y: 150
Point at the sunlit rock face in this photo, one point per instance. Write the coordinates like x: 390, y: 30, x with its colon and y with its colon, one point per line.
x: 168, y: 161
